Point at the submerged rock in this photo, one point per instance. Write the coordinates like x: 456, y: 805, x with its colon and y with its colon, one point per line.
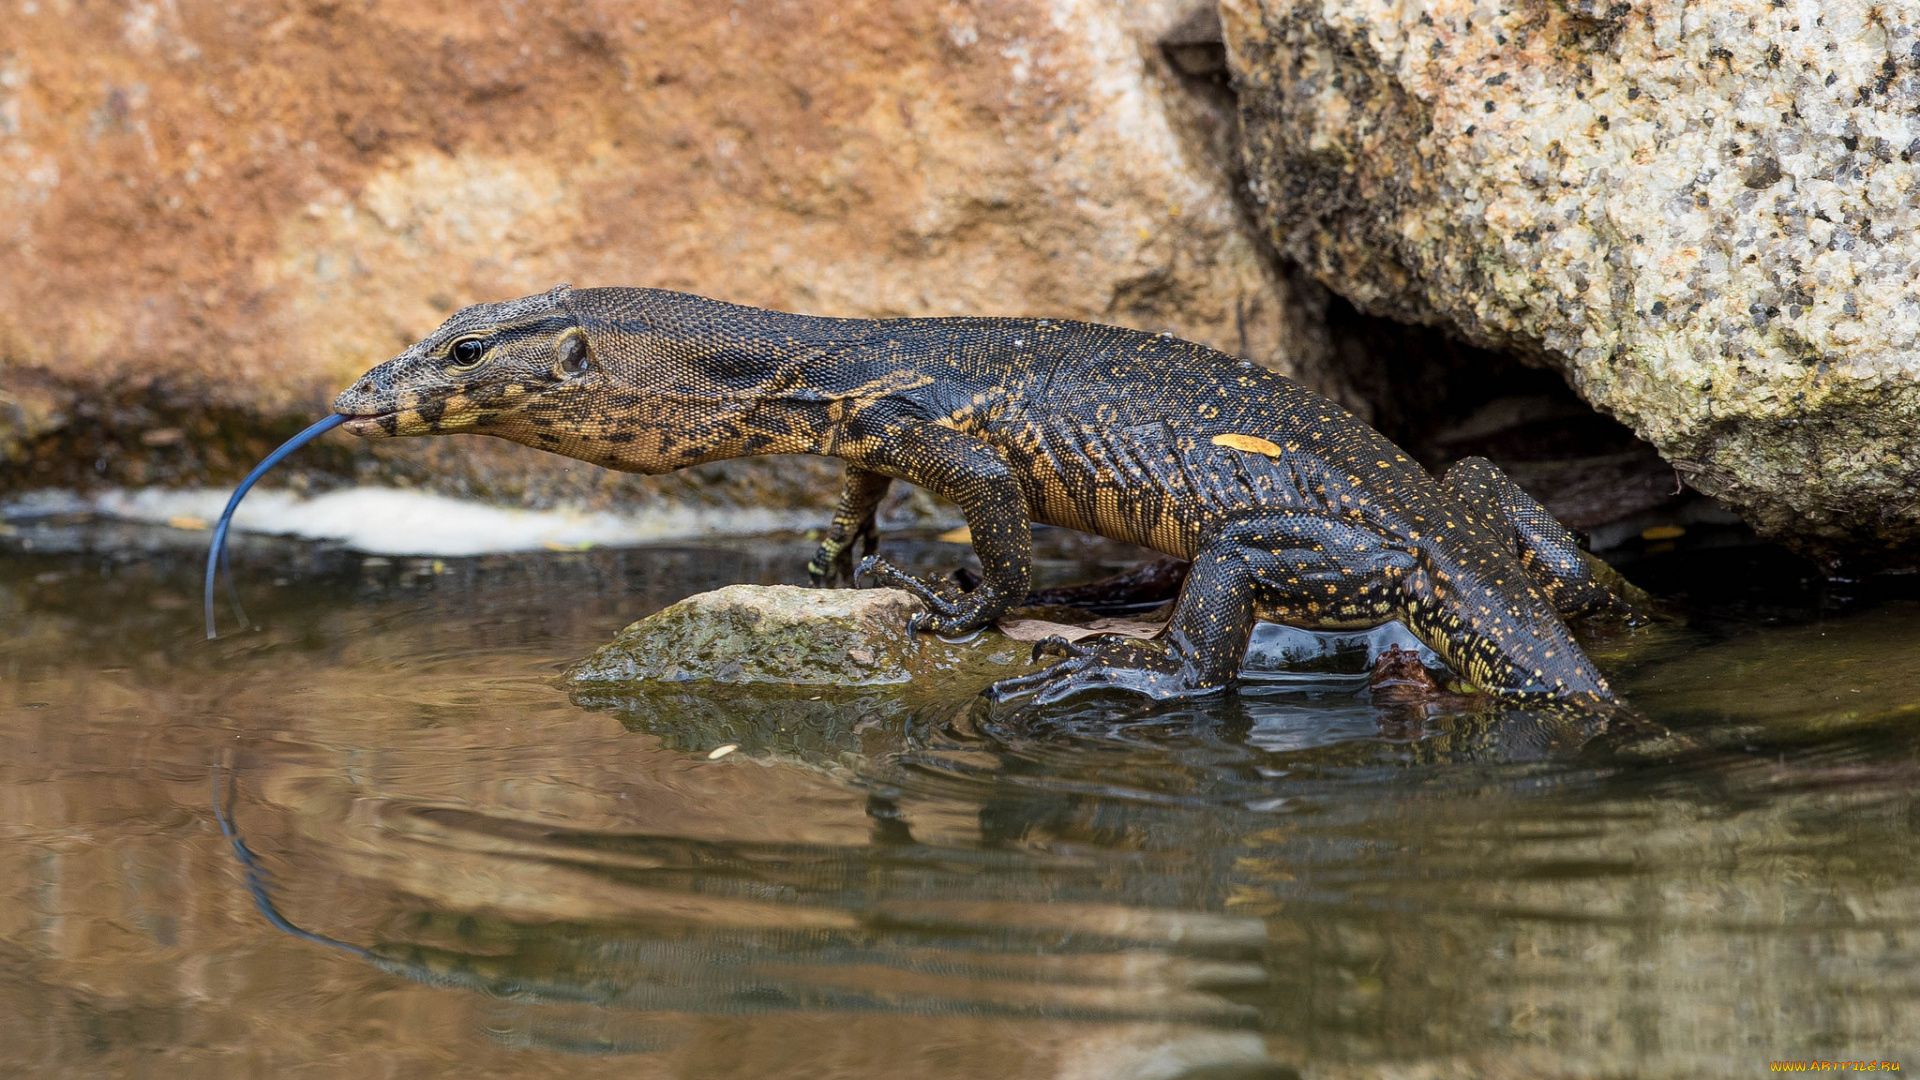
x: 1704, y: 214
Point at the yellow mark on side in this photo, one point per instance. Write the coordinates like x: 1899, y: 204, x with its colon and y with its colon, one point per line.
x: 1252, y: 444
x: 1663, y: 532
x: 189, y: 523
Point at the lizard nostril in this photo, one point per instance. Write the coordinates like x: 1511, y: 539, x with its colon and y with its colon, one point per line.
x: 364, y: 386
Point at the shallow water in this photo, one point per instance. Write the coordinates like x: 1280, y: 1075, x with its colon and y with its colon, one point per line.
x: 474, y: 875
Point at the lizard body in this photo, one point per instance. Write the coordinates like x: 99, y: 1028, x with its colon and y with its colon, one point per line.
x: 1290, y: 508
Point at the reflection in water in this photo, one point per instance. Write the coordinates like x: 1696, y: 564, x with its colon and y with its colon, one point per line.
x: 1288, y: 879
x: 780, y: 926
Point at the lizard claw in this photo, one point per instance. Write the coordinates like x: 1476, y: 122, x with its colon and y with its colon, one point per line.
x: 1055, y: 645
x: 1110, y: 664
x: 939, y: 596
x: 832, y: 562
x: 950, y: 611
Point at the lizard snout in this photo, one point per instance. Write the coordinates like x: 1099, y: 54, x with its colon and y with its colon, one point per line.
x: 372, y: 394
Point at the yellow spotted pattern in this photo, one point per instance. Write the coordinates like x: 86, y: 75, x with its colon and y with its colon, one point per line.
x: 1288, y: 507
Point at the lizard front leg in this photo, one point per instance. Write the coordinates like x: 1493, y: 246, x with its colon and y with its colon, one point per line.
x: 852, y: 527
x: 979, y: 479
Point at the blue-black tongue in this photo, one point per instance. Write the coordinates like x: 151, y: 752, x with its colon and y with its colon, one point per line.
x: 217, y: 554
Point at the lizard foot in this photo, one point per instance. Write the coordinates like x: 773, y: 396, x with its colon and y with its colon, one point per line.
x: 950, y: 610
x: 1104, y: 664
x: 832, y: 564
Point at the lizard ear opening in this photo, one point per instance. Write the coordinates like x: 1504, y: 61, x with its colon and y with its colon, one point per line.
x: 571, y: 355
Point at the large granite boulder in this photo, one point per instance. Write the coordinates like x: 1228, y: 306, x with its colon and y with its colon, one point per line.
x: 218, y: 214
x: 1705, y: 214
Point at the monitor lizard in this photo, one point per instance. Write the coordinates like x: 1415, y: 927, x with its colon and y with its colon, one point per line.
x: 1290, y: 508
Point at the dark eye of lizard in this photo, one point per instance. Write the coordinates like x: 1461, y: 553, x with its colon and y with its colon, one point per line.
x: 468, y: 353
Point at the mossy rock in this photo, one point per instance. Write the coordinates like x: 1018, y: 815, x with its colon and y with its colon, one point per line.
x: 818, y: 673
x: 789, y: 636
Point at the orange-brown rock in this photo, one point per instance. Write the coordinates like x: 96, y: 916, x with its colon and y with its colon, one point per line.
x: 218, y: 213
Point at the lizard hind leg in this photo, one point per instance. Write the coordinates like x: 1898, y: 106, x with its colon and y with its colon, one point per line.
x: 1309, y: 565
x: 1574, y: 582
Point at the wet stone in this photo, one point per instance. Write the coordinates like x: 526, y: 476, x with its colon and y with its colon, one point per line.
x: 790, y: 636
x: 815, y: 675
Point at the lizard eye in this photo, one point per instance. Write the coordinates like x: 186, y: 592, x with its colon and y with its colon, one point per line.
x: 468, y: 353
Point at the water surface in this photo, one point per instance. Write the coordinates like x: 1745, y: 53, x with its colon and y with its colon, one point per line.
x: 481, y: 877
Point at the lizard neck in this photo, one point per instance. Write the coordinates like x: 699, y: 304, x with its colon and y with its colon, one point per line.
x: 684, y: 380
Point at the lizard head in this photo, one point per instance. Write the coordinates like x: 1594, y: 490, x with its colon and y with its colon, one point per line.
x: 633, y: 379
x: 480, y: 371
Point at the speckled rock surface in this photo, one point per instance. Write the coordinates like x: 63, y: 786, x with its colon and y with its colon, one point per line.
x: 216, y: 215
x: 1705, y: 213
x: 790, y: 636
x: 810, y: 675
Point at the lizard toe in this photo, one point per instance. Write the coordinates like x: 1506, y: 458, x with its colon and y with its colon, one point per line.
x: 1024, y: 684
x: 939, y: 597
x: 1056, y: 645
x: 1109, y: 665
x: 831, y: 568
x: 963, y: 616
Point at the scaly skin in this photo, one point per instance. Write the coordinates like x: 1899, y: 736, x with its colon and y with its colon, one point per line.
x: 1289, y: 507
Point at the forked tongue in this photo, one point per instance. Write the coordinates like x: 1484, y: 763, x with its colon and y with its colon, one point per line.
x: 217, y: 553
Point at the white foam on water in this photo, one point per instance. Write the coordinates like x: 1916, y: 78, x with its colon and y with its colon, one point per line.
x: 393, y: 521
